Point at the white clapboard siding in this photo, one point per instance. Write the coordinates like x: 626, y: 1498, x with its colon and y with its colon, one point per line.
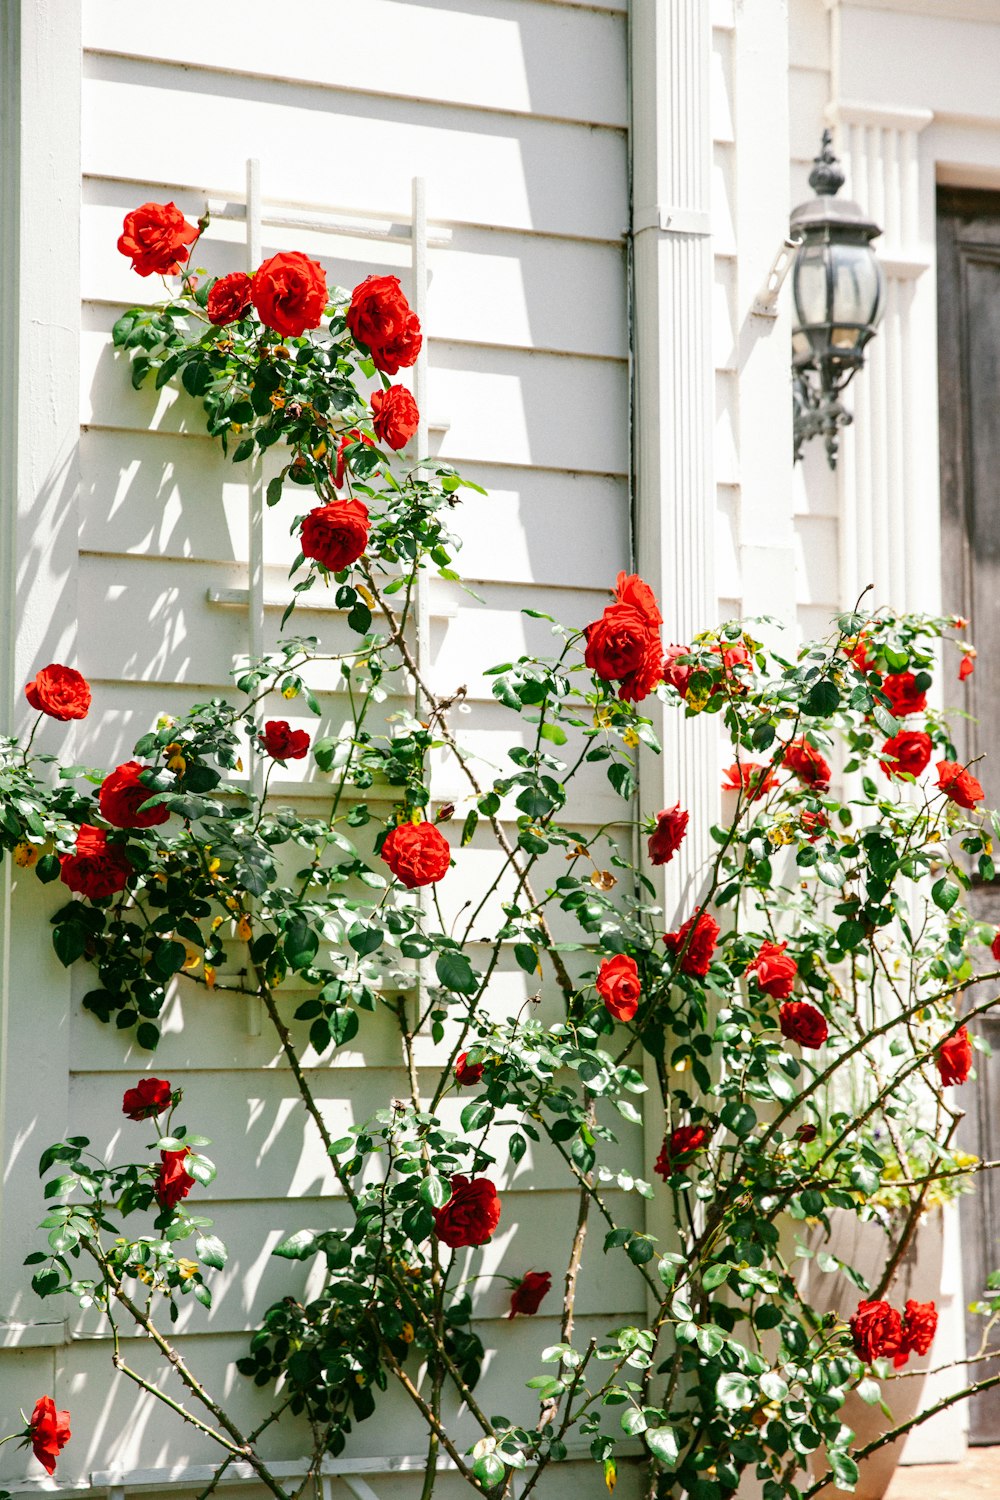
x: 525, y: 159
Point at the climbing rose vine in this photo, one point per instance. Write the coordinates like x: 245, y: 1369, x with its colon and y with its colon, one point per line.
x: 786, y: 1033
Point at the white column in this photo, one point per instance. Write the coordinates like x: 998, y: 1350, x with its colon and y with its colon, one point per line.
x: 674, y: 505
x: 888, y: 474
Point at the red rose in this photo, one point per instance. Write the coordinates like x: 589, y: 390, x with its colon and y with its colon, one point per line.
x: 380, y: 317
x: 623, y: 647
x: 668, y: 835
x: 229, y: 298
x: 632, y: 590
x: 805, y: 1134
x: 618, y: 986
x: 336, y: 534
x: 96, y: 869
x: 732, y: 657
x: 281, y: 742
x: 995, y: 945
x: 345, y: 441
x: 876, y: 1329
x: 394, y: 416
x: 805, y: 762
x: 122, y: 794
x: 679, y: 1145
x: 527, y: 1295
x: 860, y: 653
x: 155, y: 236
x: 920, y: 1322
x: 803, y: 1023
x: 751, y: 777
x: 958, y: 784
x: 151, y: 1096
x: 417, y: 854
x: 471, y: 1214
x: 172, y: 1182
x: 466, y: 1072
x: 907, y: 753
x: 703, y: 930
x: 774, y: 970
x: 813, y: 824
x: 954, y: 1057
x: 673, y: 672
x: 49, y: 1432
x: 60, y: 692
x: 966, y: 667
x: 289, y: 293
x: 903, y: 694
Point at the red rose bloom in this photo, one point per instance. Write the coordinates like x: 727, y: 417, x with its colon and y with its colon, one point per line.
x: 49, y: 1432
x: 381, y: 318
x: 813, y: 824
x: 954, y: 1057
x: 805, y: 762
x: 632, y: 590
x: 860, y: 653
x: 623, y: 646
x: 805, y: 1134
x: 958, y: 784
x: 678, y: 1146
x: 907, y: 753
x: 673, y: 672
x: 903, y: 694
x: 60, y: 692
x: 803, y: 1023
x: 417, y: 854
x: 995, y: 945
x: 618, y: 986
x: 289, y: 293
x: 172, y: 1182
x: 920, y: 1322
x: 151, y: 1096
x: 122, y: 794
x: 394, y: 416
x: 281, y: 742
x: 751, y: 777
x: 966, y: 667
x: 876, y: 1329
x: 704, y: 930
x: 336, y: 534
x: 527, y: 1295
x: 229, y: 298
x: 471, y: 1214
x: 96, y: 869
x: 155, y: 236
x: 343, y: 442
x: 466, y: 1072
x: 774, y: 970
x: 668, y: 835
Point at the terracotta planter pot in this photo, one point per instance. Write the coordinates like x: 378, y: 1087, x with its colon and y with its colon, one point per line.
x: 865, y: 1247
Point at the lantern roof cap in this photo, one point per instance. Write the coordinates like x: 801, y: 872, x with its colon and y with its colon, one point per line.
x: 826, y: 211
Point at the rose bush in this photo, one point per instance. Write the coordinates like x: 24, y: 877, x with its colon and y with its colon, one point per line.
x: 792, y: 1030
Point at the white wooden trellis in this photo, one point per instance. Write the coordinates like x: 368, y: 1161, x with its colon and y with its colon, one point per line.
x: 257, y: 213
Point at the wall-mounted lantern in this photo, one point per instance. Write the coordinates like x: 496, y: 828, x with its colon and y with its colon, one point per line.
x: 837, y: 289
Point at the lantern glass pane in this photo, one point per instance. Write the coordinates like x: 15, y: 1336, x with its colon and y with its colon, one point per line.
x: 856, y: 286
x: 810, y: 285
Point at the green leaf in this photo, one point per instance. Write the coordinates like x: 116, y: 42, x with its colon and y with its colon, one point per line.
x: 526, y: 956
x: 455, y: 973
x: 663, y: 1445
x: 435, y: 1191
x: 210, y: 1249
x: 199, y: 1167
x: 477, y: 1114
x: 147, y: 1035
x: 69, y: 940
x: 734, y: 1391
x: 489, y: 1470
x: 298, y: 1246
x: 822, y: 699
x: 301, y: 944
x: 944, y: 894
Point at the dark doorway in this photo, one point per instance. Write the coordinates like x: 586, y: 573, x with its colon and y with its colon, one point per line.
x: 968, y: 239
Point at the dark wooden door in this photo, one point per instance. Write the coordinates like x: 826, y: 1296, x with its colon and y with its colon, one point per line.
x: 969, y: 377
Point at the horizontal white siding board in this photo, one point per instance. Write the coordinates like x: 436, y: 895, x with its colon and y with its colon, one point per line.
x: 816, y: 561
x: 144, y: 493
x: 504, y: 171
x: 511, y: 58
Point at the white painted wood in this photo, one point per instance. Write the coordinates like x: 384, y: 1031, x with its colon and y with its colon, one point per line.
x: 513, y: 172
x: 509, y: 58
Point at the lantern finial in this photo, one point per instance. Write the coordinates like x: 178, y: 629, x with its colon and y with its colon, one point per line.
x: 827, y: 175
